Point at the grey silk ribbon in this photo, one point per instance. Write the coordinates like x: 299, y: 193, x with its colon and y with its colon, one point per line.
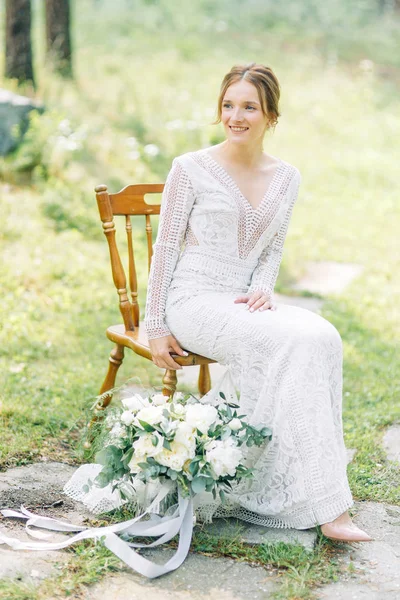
x: 165, y: 528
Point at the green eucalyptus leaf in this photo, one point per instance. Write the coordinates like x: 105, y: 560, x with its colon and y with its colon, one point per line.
x: 147, y: 426
x: 198, y: 485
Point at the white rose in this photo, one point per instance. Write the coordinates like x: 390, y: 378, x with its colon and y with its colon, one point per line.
x: 134, y: 403
x: 179, y: 409
x: 159, y: 399
x: 179, y: 396
x: 150, y: 414
x: 201, y: 416
x: 127, y: 417
x: 176, y: 457
x: 144, y: 445
x: 235, y: 424
x: 223, y: 456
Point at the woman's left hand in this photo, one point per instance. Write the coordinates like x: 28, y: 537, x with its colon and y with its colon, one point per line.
x: 257, y: 301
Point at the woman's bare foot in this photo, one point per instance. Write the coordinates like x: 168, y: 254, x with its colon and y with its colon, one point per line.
x: 344, y: 530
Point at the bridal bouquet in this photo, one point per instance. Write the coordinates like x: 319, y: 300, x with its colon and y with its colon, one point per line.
x: 199, y: 446
x: 179, y: 444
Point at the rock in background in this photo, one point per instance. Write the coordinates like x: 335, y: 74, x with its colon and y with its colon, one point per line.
x: 14, y: 114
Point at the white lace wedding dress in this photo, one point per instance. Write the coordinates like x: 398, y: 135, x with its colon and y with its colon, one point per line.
x: 211, y: 247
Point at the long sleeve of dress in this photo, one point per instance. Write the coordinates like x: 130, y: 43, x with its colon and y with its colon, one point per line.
x: 176, y: 204
x: 266, y: 272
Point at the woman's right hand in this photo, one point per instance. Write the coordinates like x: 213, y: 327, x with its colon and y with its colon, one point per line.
x: 160, y: 349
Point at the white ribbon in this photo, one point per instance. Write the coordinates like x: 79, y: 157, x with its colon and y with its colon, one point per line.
x: 165, y: 528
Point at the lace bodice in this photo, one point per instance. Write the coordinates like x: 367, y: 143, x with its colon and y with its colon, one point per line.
x: 202, y: 208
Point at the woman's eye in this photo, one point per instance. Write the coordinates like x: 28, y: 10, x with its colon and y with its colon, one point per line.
x: 226, y: 105
x: 252, y: 107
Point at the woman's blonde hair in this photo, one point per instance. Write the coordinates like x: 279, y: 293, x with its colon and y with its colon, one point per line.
x: 266, y: 82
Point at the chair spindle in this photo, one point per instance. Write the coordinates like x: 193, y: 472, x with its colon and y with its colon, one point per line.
x: 149, y: 232
x: 132, y: 272
x: 117, y: 269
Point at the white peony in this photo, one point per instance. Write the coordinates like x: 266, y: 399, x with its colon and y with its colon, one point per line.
x: 235, y: 424
x: 176, y: 457
x: 201, y: 416
x: 144, y: 445
x: 134, y: 403
x: 133, y: 464
x: 186, y: 435
x: 150, y: 414
x: 223, y: 456
x: 127, y: 417
x: 159, y: 399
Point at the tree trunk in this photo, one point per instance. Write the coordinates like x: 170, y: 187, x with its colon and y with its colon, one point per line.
x: 58, y: 36
x: 18, y: 41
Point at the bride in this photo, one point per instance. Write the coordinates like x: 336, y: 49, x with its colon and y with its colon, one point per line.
x: 224, y: 216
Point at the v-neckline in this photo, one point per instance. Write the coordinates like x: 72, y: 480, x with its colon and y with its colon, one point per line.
x: 224, y: 173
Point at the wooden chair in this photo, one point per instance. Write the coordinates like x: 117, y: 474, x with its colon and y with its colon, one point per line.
x: 130, y: 201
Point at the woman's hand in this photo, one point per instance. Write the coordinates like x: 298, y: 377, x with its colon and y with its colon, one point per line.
x: 258, y: 300
x: 160, y: 349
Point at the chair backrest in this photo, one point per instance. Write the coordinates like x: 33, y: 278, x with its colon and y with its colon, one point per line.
x: 127, y: 202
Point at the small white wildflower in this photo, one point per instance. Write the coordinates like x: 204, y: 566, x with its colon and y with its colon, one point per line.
x: 151, y: 150
x: 118, y: 431
x: 134, y: 155
x: 176, y: 124
x: 132, y: 142
x: 64, y: 127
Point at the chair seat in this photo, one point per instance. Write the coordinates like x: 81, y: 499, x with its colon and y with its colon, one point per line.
x: 138, y: 342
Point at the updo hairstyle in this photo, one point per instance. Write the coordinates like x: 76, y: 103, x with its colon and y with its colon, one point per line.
x: 266, y: 82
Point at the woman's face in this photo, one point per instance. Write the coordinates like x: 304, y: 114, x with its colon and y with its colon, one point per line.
x: 241, y: 114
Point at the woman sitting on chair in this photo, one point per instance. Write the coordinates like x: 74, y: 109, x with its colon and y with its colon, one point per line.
x: 229, y: 206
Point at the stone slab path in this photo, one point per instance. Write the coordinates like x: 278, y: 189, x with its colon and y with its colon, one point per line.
x: 200, y: 577
x: 370, y: 571
x: 326, y: 277
x: 391, y: 443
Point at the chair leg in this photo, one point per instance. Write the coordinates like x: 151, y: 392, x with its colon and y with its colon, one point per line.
x: 204, y: 381
x: 115, y: 361
x: 170, y: 381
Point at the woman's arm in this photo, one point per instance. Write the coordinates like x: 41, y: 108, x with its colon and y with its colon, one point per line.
x: 266, y: 272
x: 176, y: 204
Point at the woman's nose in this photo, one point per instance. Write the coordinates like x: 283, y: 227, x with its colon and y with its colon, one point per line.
x: 237, y: 114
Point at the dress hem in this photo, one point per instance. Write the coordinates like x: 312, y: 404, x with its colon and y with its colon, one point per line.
x: 306, y: 518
